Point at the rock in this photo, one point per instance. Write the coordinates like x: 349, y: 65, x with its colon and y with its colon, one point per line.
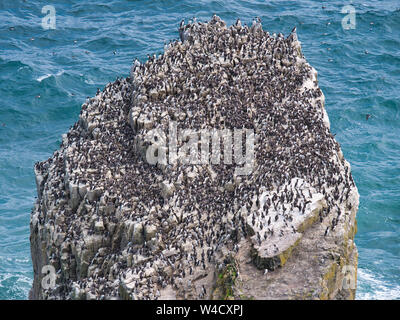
x: 138, y: 237
x: 167, y: 189
x: 99, y: 226
x: 75, y: 199
x: 245, y: 194
x: 150, y: 232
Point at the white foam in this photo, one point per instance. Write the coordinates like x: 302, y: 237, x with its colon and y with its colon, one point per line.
x: 40, y: 79
x: 48, y: 75
x: 381, y: 290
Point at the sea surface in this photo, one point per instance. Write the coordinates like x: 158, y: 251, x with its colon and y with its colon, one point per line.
x: 46, y: 75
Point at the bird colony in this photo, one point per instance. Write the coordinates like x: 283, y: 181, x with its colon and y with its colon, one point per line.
x: 115, y: 226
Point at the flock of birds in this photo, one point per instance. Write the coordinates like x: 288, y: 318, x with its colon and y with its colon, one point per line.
x: 98, y: 184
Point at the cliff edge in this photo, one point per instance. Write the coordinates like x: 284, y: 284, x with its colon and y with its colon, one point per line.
x: 210, y: 172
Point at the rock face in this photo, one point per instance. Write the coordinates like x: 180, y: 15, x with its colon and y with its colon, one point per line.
x: 210, y: 172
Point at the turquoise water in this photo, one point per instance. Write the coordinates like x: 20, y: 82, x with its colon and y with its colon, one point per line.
x: 45, y: 75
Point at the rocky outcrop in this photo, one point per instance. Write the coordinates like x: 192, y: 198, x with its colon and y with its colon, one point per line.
x: 210, y: 172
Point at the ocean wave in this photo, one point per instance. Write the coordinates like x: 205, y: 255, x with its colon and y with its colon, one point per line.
x: 14, y: 286
x: 48, y: 75
x: 44, y: 77
x: 373, y: 287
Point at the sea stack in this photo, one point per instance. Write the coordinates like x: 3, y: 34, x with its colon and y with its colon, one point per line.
x: 209, y: 173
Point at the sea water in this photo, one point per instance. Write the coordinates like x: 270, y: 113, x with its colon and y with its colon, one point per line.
x: 52, y: 60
